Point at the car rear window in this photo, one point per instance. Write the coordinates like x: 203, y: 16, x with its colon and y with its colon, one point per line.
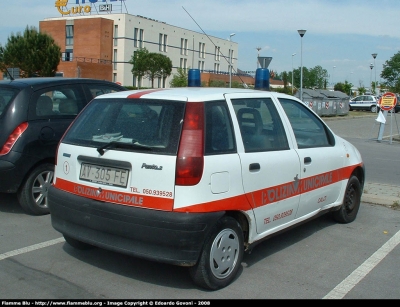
x: 129, y: 124
x: 6, y: 96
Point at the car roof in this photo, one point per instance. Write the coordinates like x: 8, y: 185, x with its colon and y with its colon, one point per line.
x: 25, y: 82
x: 189, y: 93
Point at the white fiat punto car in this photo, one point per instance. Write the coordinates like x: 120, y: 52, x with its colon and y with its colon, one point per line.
x: 195, y: 177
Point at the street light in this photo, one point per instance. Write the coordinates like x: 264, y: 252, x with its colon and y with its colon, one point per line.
x: 370, y: 78
x: 374, y: 56
x: 301, y: 33
x: 230, y: 61
x: 333, y: 80
x: 258, y: 54
x: 292, y: 70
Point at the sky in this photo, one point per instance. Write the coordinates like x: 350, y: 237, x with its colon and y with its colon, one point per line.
x: 341, y: 35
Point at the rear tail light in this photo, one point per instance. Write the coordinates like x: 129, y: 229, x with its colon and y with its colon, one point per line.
x: 12, y: 138
x: 190, y: 160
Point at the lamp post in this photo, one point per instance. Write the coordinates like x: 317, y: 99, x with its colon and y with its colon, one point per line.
x: 230, y: 60
x: 258, y: 54
x: 351, y: 78
x: 374, y: 56
x: 301, y: 33
x: 292, y: 71
x: 333, y: 80
x: 370, y: 78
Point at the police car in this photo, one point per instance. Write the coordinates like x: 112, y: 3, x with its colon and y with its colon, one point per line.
x: 195, y: 176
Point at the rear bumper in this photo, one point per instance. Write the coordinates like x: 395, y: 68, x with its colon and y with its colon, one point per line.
x: 169, y: 237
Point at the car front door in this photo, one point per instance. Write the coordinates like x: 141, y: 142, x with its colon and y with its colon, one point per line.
x: 321, y: 158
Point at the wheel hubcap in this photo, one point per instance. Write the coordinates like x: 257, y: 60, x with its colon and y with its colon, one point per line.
x: 224, y: 253
x: 40, y: 188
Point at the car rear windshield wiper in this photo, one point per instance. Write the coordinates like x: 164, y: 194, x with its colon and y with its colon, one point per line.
x: 115, y: 144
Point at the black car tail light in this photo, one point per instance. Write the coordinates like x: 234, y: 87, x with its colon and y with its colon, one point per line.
x: 12, y: 138
x: 190, y: 159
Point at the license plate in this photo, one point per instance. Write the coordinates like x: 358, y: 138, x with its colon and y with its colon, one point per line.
x: 106, y: 175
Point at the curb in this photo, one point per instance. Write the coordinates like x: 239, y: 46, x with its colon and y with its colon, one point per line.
x: 381, y: 194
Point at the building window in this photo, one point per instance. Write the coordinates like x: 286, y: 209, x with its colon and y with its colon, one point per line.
x: 202, y: 50
x: 138, y: 38
x: 162, y: 42
x: 231, y: 58
x: 67, y: 56
x: 114, y: 77
x: 69, y: 35
x: 115, y: 59
x: 141, y: 38
x: 116, y: 35
x: 183, y: 63
x: 216, y: 68
x: 201, y: 65
x: 184, y: 46
x: 217, y: 53
x: 135, y: 37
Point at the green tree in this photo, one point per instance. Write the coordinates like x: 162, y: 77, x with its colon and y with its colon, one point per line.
x: 139, y: 64
x: 180, y: 79
x: 150, y: 65
x: 34, y: 53
x: 312, y: 78
x: 343, y: 87
x: 391, y: 73
x: 159, y: 66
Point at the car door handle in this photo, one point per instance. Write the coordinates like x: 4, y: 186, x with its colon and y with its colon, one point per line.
x: 254, y: 167
x: 307, y: 160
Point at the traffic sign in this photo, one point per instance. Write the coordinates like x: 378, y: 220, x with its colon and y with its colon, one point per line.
x: 387, y: 101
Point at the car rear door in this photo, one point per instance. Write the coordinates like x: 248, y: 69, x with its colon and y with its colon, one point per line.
x: 270, y: 165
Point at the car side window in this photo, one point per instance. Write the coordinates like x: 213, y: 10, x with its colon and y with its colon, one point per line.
x: 58, y: 101
x: 98, y: 89
x: 308, y: 129
x: 260, y: 125
x: 219, y: 132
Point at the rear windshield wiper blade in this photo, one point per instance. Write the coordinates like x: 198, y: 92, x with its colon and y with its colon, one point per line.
x: 115, y: 144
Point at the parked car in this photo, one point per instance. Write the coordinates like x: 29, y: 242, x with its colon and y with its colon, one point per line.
x: 363, y: 103
x: 197, y: 176
x: 34, y: 114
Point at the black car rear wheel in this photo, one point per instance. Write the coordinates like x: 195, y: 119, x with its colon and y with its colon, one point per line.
x: 32, y: 195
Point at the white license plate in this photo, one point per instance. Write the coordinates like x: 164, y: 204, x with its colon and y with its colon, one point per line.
x: 104, y: 175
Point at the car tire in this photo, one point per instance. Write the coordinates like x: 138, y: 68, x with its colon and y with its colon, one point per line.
x: 351, y: 202
x: 221, y: 257
x: 32, y: 195
x: 373, y: 109
x: 77, y: 244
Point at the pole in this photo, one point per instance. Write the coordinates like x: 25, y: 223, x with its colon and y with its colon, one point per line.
x: 230, y: 60
x: 301, y: 33
x: 374, y: 56
x: 258, y: 54
x: 292, y: 71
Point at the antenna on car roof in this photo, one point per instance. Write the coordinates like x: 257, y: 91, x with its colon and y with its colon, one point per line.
x: 11, y: 77
x: 212, y: 42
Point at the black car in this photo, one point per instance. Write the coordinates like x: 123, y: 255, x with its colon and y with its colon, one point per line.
x: 34, y: 114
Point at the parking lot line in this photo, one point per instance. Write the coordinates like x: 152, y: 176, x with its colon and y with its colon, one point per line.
x: 30, y: 248
x: 354, y: 278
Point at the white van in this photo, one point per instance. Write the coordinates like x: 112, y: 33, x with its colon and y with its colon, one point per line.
x: 195, y: 177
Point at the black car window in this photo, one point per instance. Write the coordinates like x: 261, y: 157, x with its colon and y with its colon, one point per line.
x: 219, y: 131
x: 6, y: 96
x: 308, y: 129
x: 100, y: 89
x: 132, y: 124
x: 260, y: 125
x: 58, y: 101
